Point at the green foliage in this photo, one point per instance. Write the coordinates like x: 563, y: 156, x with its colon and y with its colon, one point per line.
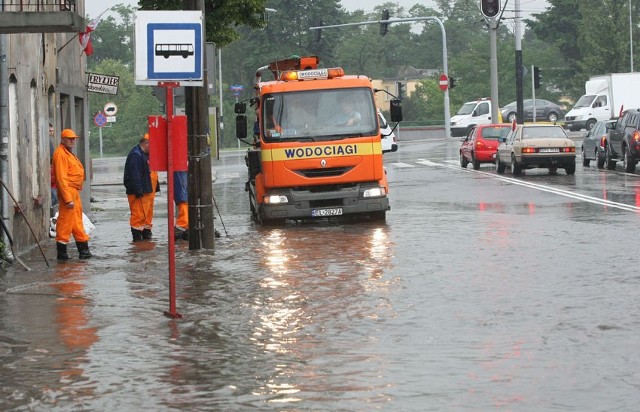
x: 570, y: 41
x: 134, y: 103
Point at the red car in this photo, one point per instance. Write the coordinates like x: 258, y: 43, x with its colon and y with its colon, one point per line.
x: 481, y: 144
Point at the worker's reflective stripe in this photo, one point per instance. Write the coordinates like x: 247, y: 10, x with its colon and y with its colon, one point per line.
x: 311, y: 152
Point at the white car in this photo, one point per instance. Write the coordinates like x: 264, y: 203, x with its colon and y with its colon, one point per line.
x: 387, y: 137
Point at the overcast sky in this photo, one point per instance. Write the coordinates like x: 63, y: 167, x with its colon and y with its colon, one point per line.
x: 527, y: 7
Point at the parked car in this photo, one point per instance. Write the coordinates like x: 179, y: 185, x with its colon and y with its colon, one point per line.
x: 481, y: 144
x: 545, y: 111
x: 529, y: 146
x: 593, y: 145
x: 387, y: 137
x: 624, y: 142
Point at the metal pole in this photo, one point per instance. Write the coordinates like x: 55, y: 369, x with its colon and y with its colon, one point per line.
x: 4, y: 139
x: 445, y: 67
x: 493, y: 62
x: 630, y: 36
x: 519, y: 67
x: 100, y: 128
x: 221, y: 119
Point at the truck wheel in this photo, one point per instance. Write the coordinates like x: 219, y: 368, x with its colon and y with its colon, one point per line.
x: 611, y: 164
x: 516, y: 169
x: 627, y: 161
x: 590, y: 124
x: 499, y: 165
x: 599, y: 160
x: 379, y: 216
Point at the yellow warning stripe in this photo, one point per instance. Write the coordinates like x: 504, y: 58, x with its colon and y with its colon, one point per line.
x: 315, y: 152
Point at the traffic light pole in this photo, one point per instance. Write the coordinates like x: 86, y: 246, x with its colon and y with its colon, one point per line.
x: 493, y: 63
x: 519, y: 67
x: 445, y: 66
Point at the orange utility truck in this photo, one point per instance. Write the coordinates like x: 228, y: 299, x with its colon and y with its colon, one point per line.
x: 316, y: 150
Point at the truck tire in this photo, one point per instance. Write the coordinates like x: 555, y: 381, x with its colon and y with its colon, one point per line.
x: 627, y: 160
x: 611, y: 163
x: 590, y: 124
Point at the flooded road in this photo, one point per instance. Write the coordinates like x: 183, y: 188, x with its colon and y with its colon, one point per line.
x: 481, y: 292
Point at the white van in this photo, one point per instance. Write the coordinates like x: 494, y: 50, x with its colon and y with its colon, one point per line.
x: 472, y: 114
x: 387, y: 137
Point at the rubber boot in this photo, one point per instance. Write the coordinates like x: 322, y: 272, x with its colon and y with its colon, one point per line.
x: 178, y: 233
x: 137, y: 234
x: 146, y: 234
x: 62, y: 251
x: 83, y: 250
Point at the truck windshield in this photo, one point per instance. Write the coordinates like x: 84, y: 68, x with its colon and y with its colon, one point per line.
x: 467, y: 108
x: 318, y: 115
x: 585, y: 101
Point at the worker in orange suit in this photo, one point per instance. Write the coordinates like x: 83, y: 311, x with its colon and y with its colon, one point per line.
x: 181, y: 198
x: 141, y: 185
x: 69, y: 174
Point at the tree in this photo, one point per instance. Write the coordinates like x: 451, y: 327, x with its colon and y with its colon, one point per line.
x: 134, y: 103
x: 114, y: 39
x: 221, y: 17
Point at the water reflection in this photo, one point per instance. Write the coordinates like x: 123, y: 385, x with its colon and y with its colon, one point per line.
x: 319, y: 280
x: 73, y: 327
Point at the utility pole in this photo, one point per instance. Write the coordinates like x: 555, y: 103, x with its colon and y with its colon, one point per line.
x: 201, y: 230
x: 519, y: 67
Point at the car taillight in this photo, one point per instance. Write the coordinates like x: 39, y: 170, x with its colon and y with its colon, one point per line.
x: 636, y: 136
x: 480, y: 145
x: 529, y: 150
x: 603, y: 140
x: 568, y: 149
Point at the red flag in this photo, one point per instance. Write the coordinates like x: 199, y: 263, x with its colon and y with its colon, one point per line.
x: 85, y: 36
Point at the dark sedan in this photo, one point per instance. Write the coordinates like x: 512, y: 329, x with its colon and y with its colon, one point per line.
x: 594, y: 142
x: 545, y: 111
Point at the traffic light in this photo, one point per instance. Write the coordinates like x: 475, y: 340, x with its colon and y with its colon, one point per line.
x: 537, y: 76
x: 400, y: 87
x: 452, y: 82
x: 490, y: 8
x: 384, y: 26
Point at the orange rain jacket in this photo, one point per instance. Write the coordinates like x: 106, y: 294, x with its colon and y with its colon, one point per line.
x: 69, y: 179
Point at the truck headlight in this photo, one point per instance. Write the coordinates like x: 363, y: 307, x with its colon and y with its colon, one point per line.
x: 375, y: 192
x: 275, y: 199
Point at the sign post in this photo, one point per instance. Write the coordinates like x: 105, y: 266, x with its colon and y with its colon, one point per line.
x: 100, y: 120
x: 169, y: 54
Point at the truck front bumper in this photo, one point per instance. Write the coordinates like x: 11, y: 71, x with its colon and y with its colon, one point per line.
x: 316, y: 202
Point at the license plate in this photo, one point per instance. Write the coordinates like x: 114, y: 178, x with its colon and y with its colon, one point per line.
x: 326, y: 212
x: 549, y: 150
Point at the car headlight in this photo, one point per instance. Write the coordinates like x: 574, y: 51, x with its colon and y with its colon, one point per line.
x: 375, y: 192
x: 276, y: 199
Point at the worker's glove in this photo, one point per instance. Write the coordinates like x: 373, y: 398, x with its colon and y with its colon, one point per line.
x: 139, y: 195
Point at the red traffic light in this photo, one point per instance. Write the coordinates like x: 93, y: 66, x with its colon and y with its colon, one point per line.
x: 490, y: 8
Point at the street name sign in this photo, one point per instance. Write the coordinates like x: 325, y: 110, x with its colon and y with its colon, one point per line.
x: 101, y: 83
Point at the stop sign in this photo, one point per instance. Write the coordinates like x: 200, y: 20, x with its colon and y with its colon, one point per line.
x: 444, y: 82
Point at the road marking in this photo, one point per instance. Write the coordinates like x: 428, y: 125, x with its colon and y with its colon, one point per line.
x: 537, y: 186
x: 401, y: 165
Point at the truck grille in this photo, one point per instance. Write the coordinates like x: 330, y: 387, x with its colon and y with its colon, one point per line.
x: 570, y: 118
x: 327, y: 172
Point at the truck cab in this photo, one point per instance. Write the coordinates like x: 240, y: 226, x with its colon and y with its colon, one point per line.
x: 471, y: 114
x: 317, y: 150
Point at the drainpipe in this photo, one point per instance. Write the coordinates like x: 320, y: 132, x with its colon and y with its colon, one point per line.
x: 4, y: 143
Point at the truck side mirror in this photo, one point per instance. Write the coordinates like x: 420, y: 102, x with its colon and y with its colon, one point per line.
x: 395, y: 107
x: 240, y: 108
x: 241, y: 126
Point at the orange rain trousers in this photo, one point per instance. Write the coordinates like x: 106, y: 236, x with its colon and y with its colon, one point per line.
x: 142, y: 208
x: 183, y: 216
x: 69, y: 178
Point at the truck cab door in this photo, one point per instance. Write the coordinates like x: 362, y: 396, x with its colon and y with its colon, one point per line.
x: 482, y: 113
x: 601, y: 108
